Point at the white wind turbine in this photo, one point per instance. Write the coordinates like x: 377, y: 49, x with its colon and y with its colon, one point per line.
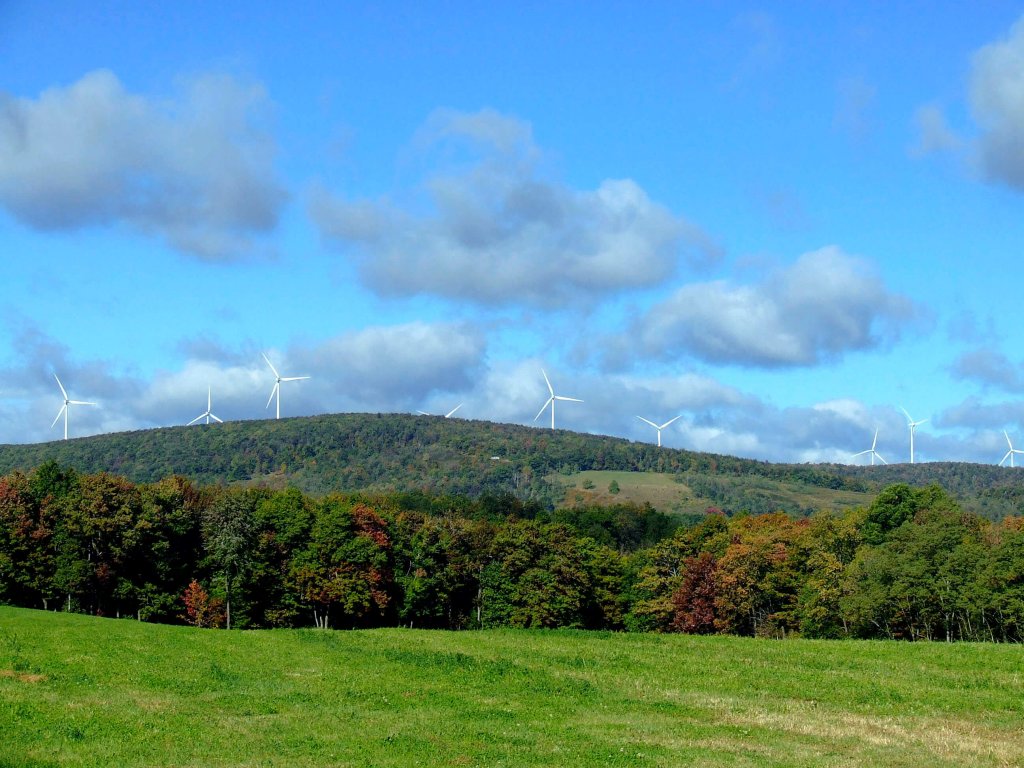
x: 551, y: 400
x: 447, y: 415
x: 913, y: 427
x: 872, y: 451
x: 278, y: 378
x: 658, y: 427
x: 64, y: 408
x: 209, y: 410
x: 1009, y: 453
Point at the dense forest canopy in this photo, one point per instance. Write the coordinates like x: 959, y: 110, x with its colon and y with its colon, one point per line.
x: 910, y: 565
x: 402, y: 453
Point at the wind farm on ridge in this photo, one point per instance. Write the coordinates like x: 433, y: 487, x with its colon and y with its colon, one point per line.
x: 275, y: 397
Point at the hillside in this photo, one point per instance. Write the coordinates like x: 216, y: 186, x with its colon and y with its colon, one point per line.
x: 387, y: 452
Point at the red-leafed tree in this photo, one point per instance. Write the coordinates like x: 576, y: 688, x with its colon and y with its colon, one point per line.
x: 200, y: 609
x: 694, y: 601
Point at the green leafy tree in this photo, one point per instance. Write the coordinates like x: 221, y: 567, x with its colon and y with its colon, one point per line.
x: 229, y: 533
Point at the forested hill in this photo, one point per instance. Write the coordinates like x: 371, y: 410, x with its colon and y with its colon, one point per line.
x: 401, y: 452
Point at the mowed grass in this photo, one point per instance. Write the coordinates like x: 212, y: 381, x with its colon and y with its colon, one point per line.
x: 663, y: 492
x: 82, y: 691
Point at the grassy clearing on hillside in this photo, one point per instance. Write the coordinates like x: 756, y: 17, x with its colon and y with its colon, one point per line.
x: 82, y: 691
x: 665, y: 493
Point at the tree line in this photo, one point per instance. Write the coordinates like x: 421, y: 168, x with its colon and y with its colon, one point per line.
x: 912, y: 565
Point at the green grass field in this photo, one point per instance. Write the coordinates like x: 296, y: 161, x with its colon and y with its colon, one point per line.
x: 82, y: 691
x: 663, y: 492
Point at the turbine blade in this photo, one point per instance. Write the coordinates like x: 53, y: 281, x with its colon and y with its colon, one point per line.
x: 215, y: 419
x: 1008, y: 439
x: 453, y: 410
x: 907, y: 414
x: 881, y: 459
x: 861, y: 453
x: 548, y: 382
x: 423, y: 413
x: 647, y: 421
x: 875, y: 441
x: 59, y: 414
x: 1008, y: 454
x: 669, y: 422
x: 271, y: 365
x: 294, y: 378
x: 62, y: 390
x: 272, y: 393
x: 572, y: 399
x: 197, y: 418
x: 79, y: 402
x: 550, y: 400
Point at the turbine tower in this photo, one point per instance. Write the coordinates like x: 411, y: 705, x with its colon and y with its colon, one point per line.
x: 1009, y: 453
x: 209, y: 410
x: 64, y: 408
x: 278, y: 378
x: 913, y: 425
x: 658, y: 427
x: 447, y: 415
x: 872, y: 451
x: 551, y: 400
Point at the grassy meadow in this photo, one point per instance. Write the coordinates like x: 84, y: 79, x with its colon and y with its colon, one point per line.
x: 83, y: 691
x: 664, y: 492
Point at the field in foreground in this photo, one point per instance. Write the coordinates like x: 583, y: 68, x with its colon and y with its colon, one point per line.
x: 81, y: 691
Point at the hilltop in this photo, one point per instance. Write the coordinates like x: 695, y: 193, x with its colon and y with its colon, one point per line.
x: 401, y: 452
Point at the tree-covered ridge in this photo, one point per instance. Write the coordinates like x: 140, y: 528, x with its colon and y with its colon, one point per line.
x: 911, y: 565
x: 399, y: 452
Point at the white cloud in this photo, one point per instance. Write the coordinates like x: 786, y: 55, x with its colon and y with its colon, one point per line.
x: 392, y: 368
x: 500, y: 232
x: 825, y: 305
x: 195, y: 171
x: 997, y: 100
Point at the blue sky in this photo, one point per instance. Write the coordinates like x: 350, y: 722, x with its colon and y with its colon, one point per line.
x: 782, y: 223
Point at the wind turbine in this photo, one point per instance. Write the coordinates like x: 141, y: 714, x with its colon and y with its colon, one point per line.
x: 1009, y: 453
x: 872, y: 451
x: 551, y: 400
x: 657, y: 426
x: 913, y: 427
x: 64, y: 408
x: 447, y: 415
x: 278, y: 378
x: 209, y: 410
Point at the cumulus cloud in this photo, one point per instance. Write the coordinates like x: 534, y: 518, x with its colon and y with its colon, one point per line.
x: 990, y: 368
x: 997, y: 101
x: 824, y: 305
x: 499, y: 231
x: 196, y: 170
x: 389, y: 368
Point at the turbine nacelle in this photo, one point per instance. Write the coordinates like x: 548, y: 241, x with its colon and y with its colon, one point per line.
x: 551, y: 400
x: 872, y: 451
x: 65, y: 409
x: 209, y: 410
x: 447, y: 415
x: 278, y: 378
x: 913, y: 425
x: 658, y: 427
x: 1010, y: 453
